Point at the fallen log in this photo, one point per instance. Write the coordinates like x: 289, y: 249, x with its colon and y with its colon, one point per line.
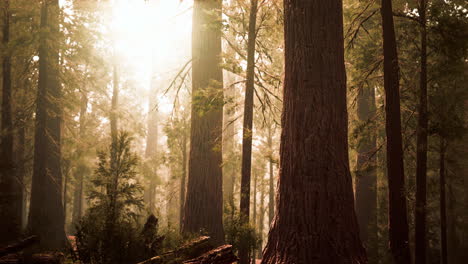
x: 219, y: 255
x: 29, y: 241
x: 44, y: 258
x: 190, y: 250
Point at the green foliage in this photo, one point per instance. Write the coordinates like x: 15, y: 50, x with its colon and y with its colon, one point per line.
x: 240, y: 234
x: 108, y: 233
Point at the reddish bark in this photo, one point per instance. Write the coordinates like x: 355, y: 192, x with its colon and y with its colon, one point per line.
x: 204, y: 198
x: 398, y: 222
x: 315, y: 220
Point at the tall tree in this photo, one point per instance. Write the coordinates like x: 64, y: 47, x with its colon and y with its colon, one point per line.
x: 315, y: 220
x: 421, y: 146
x: 443, y: 208
x: 10, y: 186
x: 151, y: 151
x: 271, y: 191
x: 366, y: 173
x: 398, y: 222
x: 204, y: 198
x: 247, y: 128
x: 46, y: 217
x: 81, y: 168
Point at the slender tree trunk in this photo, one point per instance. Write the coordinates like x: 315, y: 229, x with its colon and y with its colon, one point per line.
x: 183, y: 180
x: 421, y: 148
x: 398, y: 222
x: 21, y: 171
x: 10, y: 187
x: 114, y: 104
x: 247, y: 129
x: 366, y: 174
x: 151, y: 150
x: 271, y: 189
x: 66, y: 175
x: 315, y: 220
x: 81, y: 168
x: 452, y: 235
x: 229, y: 148
x: 46, y: 217
x: 113, y: 185
x: 443, y: 209
x: 204, y: 199
x: 253, y: 248
x: 261, y: 219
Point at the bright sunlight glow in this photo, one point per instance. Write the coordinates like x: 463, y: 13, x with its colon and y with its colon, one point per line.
x: 152, y: 39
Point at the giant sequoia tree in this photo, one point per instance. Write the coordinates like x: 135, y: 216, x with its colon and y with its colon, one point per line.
x: 46, y: 217
x: 315, y: 220
x: 398, y: 223
x: 204, y: 198
x: 10, y: 186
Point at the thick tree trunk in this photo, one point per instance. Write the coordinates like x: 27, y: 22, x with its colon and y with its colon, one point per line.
x: 247, y: 129
x: 10, y: 186
x: 204, y: 199
x: 443, y: 209
x: 421, y: 147
x: 366, y: 174
x: 315, y: 220
x: 46, y: 217
x: 398, y: 222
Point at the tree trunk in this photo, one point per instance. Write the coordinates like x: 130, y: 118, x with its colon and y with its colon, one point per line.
x: 183, y: 180
x: 271, y: 190
x: 366, y: 174
x: 261, y: 218
x: 443, y: 209
x: 46, y: 210
x: 251, y: 248
x: 21, y: 170
x: 81, y: 168
x: 421, y: 147
x: 66, y: 175
x: 204, y: 199
x: 229, y: 147
x: 151, y: 150
x: 10, y: 186
x: 315, y: 220
x: 247, y: 129
x: 114, y: 103
x: 398, y: 222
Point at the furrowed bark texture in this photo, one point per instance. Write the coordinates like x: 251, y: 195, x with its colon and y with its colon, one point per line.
x: 10, y: 186
x: 46, y: 218
x: 366, y: 174
x: 204, y: 198
x: 398, y: 222
x: 315, y: 220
